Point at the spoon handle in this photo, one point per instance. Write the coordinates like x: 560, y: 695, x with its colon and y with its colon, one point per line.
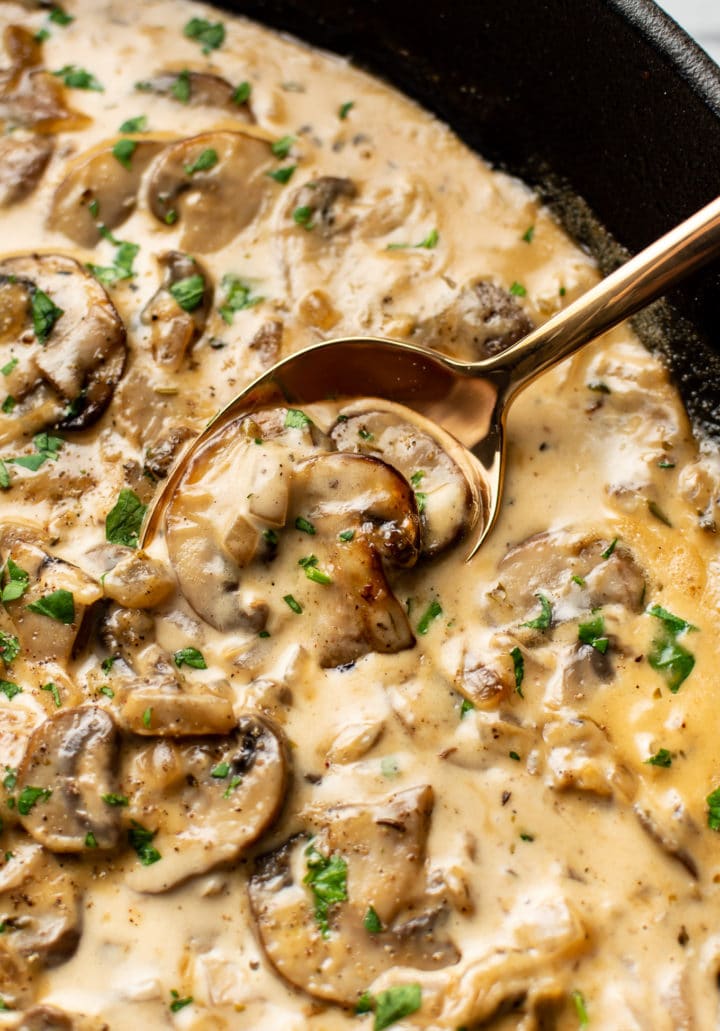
x: 635, y: 284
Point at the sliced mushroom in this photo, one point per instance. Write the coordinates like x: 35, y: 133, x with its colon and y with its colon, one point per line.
x: 41, y: 636
x: 177, y: 320
x: 581, y: 757
x: 383, y: 848
x: 99, y: 189
x: 22, y: 163
x: 665, y: 817
x: 208, y: 799
x: 267, y: 342
x: 354, y: 494
x: 212, y: 185
x: 552, y: 564
x: 161, y: 454
x: 67, y: 377
x: 72, y: 758
x: 481, y: 321
x: 386, y: 431
x: 136, y: 580
x: 39, y: 905
x: 30, y: 97
x: 324, y: 206
x: 198, y: 89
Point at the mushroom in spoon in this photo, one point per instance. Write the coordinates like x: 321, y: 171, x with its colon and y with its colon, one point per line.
x: 468, y: 402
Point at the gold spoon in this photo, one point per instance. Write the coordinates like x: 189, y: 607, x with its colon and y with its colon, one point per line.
x: 466, y: 403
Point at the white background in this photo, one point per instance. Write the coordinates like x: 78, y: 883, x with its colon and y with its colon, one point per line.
x: 700, y: 18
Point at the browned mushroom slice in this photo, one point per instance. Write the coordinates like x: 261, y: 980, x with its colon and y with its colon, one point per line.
x: 51, y: 632
x: 136, y: 580
x: 69, y: 765
x: 373, y: 507
x: 178, y: 312
x: 161, y: 454
x: 22, y: 163
x: 322, y: 206
x: 67, y: 339
x: 208, y: 799
x: 577, y: 571
x: 441, y: 491
x: 39, y: 903
x: 199, y: 89
x: 212, y: 185
x: 99, y: 189
x: 481, y: 321
x: 377, y: 855
x: 29, y: 96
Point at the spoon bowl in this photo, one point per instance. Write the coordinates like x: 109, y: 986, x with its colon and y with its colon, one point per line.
x: 464, y: 405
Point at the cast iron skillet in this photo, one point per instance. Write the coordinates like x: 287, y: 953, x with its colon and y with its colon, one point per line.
x: 606, y: 106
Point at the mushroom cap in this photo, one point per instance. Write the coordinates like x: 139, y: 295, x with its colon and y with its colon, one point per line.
x: 204, y: 90
x: 383, y: 845
x: 326, y: 200
x: 99, y: 177
x: 84, y: 354
x: 209, y: 798
x: 212, y: 204
x: 22, y: 163
x: 73, y: 755
x: 389, y: 432
x: 40, y: 899
x: 29, y: 96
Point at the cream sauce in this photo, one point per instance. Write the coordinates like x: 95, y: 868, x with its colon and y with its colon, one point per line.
x: 554, y: 886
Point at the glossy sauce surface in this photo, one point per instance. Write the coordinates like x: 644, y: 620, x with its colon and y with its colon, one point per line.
x: 567, y: 872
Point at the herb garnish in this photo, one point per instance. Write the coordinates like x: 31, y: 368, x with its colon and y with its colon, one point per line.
x: 177, y: 1003
x: 309, y: 564
x: 54, y: 691
x: 282, y: 147
x: 9, y: 647
x: 241, y: 93
x: 543, y: 621
x: 29, y: 798
x: 428, y: 243
x: 610, y: 548
x: 297, y: 420
x: 518, y: 668
x: 327, y: 878
x: 190, y: 657
x: 517, y: 289
x: 9, y: 366
x: 58, y: 605
x: 346, y: 535
x: 17, y: 584
x: 580, y: 1008
x: 122, y: 266
x: 9, y: 689
x: 713, y: 802
x: 210, y: 34
x: 78, y: 78
x: 667, y: 656
x: 302, y: 216
x: 115, y: 800
x: 282, y: 175
x: 44, y: 314
x: 189, y: 292
x: 391, y: 1005
x: 181, y: 88
x: 661, y: 758
x: 58, y: 16
x: 466, y: 706
x: 345, y: 109
x: 220, y: 771
x: 123, y: 150
x: 593, y: 633
x: 238, y: 297
x: 140, y: 839
x: 123, y: 521
x: 527, y: 236
x: 137, y: 124
x: 372, y: 922
x: 293, y: 604
x: 433, y: 610
x: 304, y: 525
x: 205, y: 160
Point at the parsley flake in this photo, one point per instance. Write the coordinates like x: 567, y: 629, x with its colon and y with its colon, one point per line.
x: 345, y: 109
x: 519, y: 669
x: 713, y: 803
x: 302, y: 216
x: 123, y: 521
x: 190, y: 657
x: 9, y: 689
x: 543, y: 621
x: 137, y: 124
x: 44, y: 314
x: 304, y: 525
x: 528, y: 235
x: 58, y: 605
x: 210, y: 34
x: 241, y: 93
x: 292, y: 604
x: 189, y: 292
x: 54, y: 691
x: 9, y: 647
x: 593, y: 633
x: 661, y: 758
x: 140, y: 839
x: 431, y: 613
x: 115, y: 800
x: 9, y: 366
x: 205, y: 160
x: 177, y: 1003
x: 395, y: 1003
x: 297, y: 420
x: 238, y: 297
x: 282, y: 147
x: 29, y: 797
x: 327, y: 879
x: 78, y: 78
x: 372, y: 922
x: 123, y: 150
x: 517, y: 289
x: 282, y: 175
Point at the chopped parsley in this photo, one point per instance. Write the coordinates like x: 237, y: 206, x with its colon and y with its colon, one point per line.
x: 147, y: 717
x: 431, y: 613
x: 346, y: 535
x: 664, y: 463
x: 515, y: 758
x: 292, y: 604
x: 140, y: 839
x: 578, y: 580
x: 428, y: 243
x: 78, y: 78
x: 528, y: 235
x: 392, y: 1004
x: 115, y: 800
x: 345, y: 109
x: 235, y: 782
x: 189, y: 292
x: 543, y: 621
x: 137, y: 124
x: 122, y: 266
x: 241, y: 93
x: 177, y: 1003
x: 205, y: 160
x: 220, y: 771
x: 47, y: 447
x: 10, y: 778
x: 713, y: 803
x: 181, y: 88
x: 661, y: 758
x: 282, y: 147
x: 90, y: 840
x: 599, y: 387
x: 58, y: 605
x: 17, y: 583
x: 54, y: 690
x: 518, y: 668
x: 238, y: 297
x: 517, y: 289
x: 610, y: 548
x: 94, y: 208
x: 29, y: 798
x: 58, y: 16
x: 107, y: 691
x: 44, y: 314
x: 372, y: 922
x: 4, y: 476
x: 593, y: 633
x: 309, y: 564
x: 9, y: 647
x: 297, y: 420
x: 655, y: 510
x: 210, y: 34
x: 674, y: 624
x: 123, y: 150
x: 302, y: 216
x: 123, y: 521
x: 304, y: 525
x: 8, y: 404
x: 282, y: 175
x: 580, y: 1008
x: 667, y: 656
x: 190, y: 657
x: 9, y: 366
x: 466, y: 706
x: 327, y: 878
x: 9, y: 689
x: 524, y: 836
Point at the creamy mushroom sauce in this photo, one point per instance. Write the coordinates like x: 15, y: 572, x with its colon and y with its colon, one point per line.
x: 483, y: 796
